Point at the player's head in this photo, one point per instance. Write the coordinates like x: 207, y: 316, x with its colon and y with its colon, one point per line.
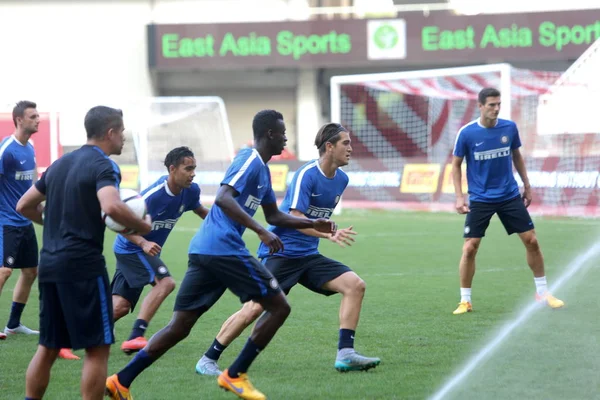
x: 333, y: 141
x: 269, y: 129
x: 181, y: 164
x: 105, y: 125
x: 25, y: 117
x: 489, y: 103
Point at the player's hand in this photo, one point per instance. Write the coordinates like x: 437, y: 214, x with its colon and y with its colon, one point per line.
x: 527, y: 197
x: 271, y: 240
x: 461, y: 206
x: 151, y: 248
x: 325, y: 225
x: 343, y: 237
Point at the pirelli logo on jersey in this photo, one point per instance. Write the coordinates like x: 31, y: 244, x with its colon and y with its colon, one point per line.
x: 319, y: 212
x: 491, y: 154
x: 24, y: 175
x: 252, y: 203
x: 166, y: 224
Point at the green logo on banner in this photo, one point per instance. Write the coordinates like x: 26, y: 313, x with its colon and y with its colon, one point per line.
x: 385, y: 37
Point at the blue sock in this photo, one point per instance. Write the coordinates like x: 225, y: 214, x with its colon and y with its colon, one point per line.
x: 139, y: 329
x: 215, y: 350
x: 30, y: 398
x: 246, y: 357
x: 15, y: 315
x: 346, y: 339
x: 140, y: 362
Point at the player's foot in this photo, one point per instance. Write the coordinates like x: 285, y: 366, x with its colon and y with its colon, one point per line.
x: 207, y: 366
x: 134, y: 345
x: 550, y: 300
x: 240, y: 386
x: 463, y: 307
x: 2, y: 336
x: 115, y: 390
x: 20, y: 329
x: 353, y: 361
x: 67, y: 354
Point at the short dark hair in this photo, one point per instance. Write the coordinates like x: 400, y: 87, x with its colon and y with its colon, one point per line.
x: 487, y: 92
x: 329, y: 133
x: 263, y: 121
x: 175, y: 157
x: 101, y: 119
x: 19, y: 109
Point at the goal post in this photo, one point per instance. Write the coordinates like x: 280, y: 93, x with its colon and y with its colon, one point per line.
x: 404, y: 125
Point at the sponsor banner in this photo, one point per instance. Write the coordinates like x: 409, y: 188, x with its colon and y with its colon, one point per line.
x: 557, y: 183
x: 412, y: 38
x: 130, y: 176
x: 420, y: 178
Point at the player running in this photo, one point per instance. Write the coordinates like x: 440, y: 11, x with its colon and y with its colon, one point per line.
x: 138, y: 257
x: 314, y: 192
x: 219, y: 260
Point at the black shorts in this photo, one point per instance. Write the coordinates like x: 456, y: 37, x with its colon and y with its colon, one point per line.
x: 207, y: 277
x: 311, y: 272
x: 76, y: 315
x: 133, y: 272
x: 18, y: 246
x: 512, y: 213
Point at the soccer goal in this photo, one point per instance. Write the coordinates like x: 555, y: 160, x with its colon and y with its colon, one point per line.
x: 157, y: 125
x: 404, y: 125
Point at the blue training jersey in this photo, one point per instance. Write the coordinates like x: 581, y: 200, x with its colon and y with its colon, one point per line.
x: 314, y: 195
x: 487, y: 152
x: 17, y: 170
x: 219, y: 235
x: 164, y: 208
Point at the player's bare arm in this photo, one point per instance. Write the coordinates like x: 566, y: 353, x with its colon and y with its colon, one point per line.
x: 201, y: 211
x: 111, y: 204
x: 342, y: 237
x: 277, y: 218
x: 30, y: 205
x: 519, y: 163
x: 151, y: 248
x: 226, y: 200
x: 461, y: 207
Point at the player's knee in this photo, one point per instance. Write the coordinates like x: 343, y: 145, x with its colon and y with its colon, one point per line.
x: 251, y: 313
x: 284, y: 310
x: 5, y: 273
x: 30, y: 273
x: 359, y: 286
x: 167, y: 284
x: 531, y: 243
x: 121, y: 307
x: 470, y: 248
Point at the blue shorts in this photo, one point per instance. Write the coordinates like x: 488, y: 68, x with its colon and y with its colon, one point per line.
x: 133, y: 272
x: 18, y: 246
x: 76, y: 315
x: 512, y: 213
x: 207, y: 278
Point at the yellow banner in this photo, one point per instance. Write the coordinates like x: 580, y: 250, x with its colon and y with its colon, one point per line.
x: 420, y: 178
x: 447, y: 185
x: 130, y: 177
x: 279, y: 176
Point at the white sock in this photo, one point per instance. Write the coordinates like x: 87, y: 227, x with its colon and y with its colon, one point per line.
x: 541, y: 286
x: 465, y: 294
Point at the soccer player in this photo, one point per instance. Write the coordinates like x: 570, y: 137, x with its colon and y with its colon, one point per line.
x: 218, y: 259
x: 314, y: 192
x: 491, y: 147
x: 75, y: 298
x: 138, y: 257
x: 18, y: 244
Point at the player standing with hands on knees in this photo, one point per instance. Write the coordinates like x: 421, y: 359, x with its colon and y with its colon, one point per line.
x: 219, y: 260
x: 75, y: 296
x: 490, y: 146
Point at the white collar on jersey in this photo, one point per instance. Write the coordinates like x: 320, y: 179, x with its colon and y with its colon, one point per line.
x: 168, y: 190
x: 479, y: 123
